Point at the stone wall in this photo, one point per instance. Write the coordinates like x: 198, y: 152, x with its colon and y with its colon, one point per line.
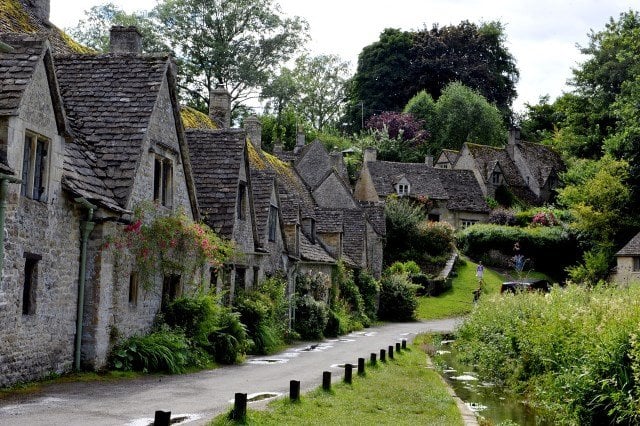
x: 364, y: 189
x: 625, y: 274
x: 41, y: 342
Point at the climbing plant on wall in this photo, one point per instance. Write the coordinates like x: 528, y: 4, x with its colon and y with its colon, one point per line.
x: 169, y: 244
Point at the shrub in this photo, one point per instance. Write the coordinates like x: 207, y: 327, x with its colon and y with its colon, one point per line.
x: 317, y: 285
x: 502, y: 216
x: 435, y: 238
x: 229, y: 342
x: 349, y: 297
x: 162, y: 351
x: 311, y: 317
x: 398, y: 300
x: 575, y: 351
x: 369, y: 289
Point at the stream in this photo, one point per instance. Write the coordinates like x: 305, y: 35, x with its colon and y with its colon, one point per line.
x: 482, y: 397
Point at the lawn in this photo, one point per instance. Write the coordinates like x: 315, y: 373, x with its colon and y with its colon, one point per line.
x: 459, y: 299
x: 401, y: 392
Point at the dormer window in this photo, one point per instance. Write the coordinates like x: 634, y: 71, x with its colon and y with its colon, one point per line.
x: 35, y: 167
x: 403, y: 189
x: 241, y: 201
x: 163, y: 181
x: 496, y: 178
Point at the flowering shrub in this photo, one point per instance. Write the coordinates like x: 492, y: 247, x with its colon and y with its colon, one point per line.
x: 502, y: 216
x: 544, y: 218
x: 170, y: 244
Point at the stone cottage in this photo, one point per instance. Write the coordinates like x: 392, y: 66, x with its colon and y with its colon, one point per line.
x: 628, y: 263
x: 529, y: 170
x: 453, y: 196
x: 84, y: 139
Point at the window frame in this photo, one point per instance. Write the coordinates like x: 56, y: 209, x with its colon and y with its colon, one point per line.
x: 134, y: 287
x: 241, y: 200
x: 635, y: 267
x: 36, y: 166
x: 403, y: 189
x: 496, y: 177
x: 163, y: 177
x: 273, y: 222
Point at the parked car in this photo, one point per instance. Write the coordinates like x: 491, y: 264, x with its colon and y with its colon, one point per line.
x: 541, y: 285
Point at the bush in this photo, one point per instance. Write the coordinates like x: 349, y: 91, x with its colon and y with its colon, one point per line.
x: 574, y: 351
x: 311, y: 317
x: 349, y: 298
x: 162, y: 351
x: 502, y: 216
x: 369, y: 290
x: 229, y: 341
x: 398, y: 300
x: 551, y: 248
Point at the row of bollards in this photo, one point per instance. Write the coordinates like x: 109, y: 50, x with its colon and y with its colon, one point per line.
x: 239, y: 411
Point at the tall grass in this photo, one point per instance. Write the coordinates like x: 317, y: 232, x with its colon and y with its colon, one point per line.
x: 574, y: 352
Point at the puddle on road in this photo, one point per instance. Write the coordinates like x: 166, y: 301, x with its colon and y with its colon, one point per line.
x: 176, y: 419
x: 22, y: 408
x: 259, y: 396
x: 262, y: 361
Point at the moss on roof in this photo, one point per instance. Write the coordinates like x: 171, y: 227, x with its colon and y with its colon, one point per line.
x: 14, y: 18
x: 194, y: 119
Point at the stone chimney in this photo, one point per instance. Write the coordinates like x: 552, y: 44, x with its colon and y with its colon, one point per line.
x: 254, y: 131
x: 514, y: 135
x: 40, y: 8
x: 125, y: 40
x: 370, y: 155
x: 300, y: 141
x: 277, y: 148
x: 220, y: 106
x: 428, y: 160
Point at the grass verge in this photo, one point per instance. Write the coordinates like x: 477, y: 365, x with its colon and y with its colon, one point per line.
x: 402, y: 391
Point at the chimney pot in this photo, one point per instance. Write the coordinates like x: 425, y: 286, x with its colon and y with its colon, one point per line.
x: 514, y: 135
x: 428, y: 160
x: 125, y: 40
x: 370, y: 155
x: 300, y: 141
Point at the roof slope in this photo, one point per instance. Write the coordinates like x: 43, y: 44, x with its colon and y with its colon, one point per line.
x: 542, y: 160
x: 15, y: 17
x: 375, y: 214
x: 313, y: 252
x: 216, y: 159
x: 109, y: 101
x: 464, y: 191
x: 353, y: 237
x: 486, y: 158
x: 329, y: 220
x: 17, y: 68
x: 422, y: 177
x: 451, y: 155
x: 262, y: 182
x: 632, y: 248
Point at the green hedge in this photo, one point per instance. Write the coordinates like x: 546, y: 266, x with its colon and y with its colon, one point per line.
x: 551, y: 249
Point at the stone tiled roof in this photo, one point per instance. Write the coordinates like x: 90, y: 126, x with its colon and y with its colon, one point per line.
x: 375, y: 214
x: 449, y: 155
x: 464, y: 191
x: 293, y: 192
x: 109, y: 101
x: 15, y: 17
x: 329, y: 220
x: 16, y: 69
x: 313, y: 252
x: 486, y: 158
x: 262, y: 182
x: 354, y: 234
x: 632, y: 248
x: 543, y: 160
x: 423, y: 179
x: 217, y: 157
x: 194, y: 119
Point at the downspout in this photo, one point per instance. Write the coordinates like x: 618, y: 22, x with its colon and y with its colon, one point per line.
x: 86, y: 226
x: 4, y: 189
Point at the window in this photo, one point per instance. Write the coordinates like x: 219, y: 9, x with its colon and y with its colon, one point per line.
x: 35, y: 167
x: 30, y: 283
x: 213, y: 282
x: 403, y: 189
x: 133, y: 289
x: 636, y: 264
x: 256, y: 277
x: 170, y: 289
x: 163, y: 181
x: 496, y: 177
x: 240, y: 202
x: 467, y: 222
x: 433, y: 217
x: 273, y: 222
x: 241, y: 275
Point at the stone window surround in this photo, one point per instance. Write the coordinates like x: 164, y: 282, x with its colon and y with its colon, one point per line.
x: 30, y: 285
x: 32, y: 142
x: 496, y: 177
x: 636, y: 264
x: 163, y: 180
x: 273, y: 221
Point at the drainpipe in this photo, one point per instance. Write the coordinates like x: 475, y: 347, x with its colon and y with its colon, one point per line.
x: 86, y: 226
x: 4, y: 189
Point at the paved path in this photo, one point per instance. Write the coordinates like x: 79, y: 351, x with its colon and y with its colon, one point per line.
x: 202, y: 395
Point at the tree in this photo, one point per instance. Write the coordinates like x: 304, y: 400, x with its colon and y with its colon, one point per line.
x: 235, y: 43
x: 539, y: 121
x: 382, y: 81
x: 93, y: 31
x: 422, y: 107
x: 463, y: 115
x: 397, y: 137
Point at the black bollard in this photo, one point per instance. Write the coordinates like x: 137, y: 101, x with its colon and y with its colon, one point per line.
x: 326, y: 380
x: 373, y: 359
x: 383, y: 357
x: 397, y: 347
x: 294, y: 390
x: 348, y: 373
x: 239, y: 412
x: 404, y: 344
x: 390, y: 349
x: 162, y: 418
x: 360, y: 366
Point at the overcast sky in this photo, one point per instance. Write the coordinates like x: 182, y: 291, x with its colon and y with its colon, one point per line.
x: 541, y: 34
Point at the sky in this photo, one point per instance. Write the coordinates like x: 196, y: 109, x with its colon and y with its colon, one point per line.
x: 542, y: 34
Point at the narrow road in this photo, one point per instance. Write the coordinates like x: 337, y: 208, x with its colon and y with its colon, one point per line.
x: 200, y: 396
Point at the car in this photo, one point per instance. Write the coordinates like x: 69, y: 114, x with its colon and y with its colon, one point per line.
x: 541, y: 285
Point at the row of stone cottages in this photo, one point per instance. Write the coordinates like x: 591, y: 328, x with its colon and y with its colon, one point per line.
x: 84, y: 139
